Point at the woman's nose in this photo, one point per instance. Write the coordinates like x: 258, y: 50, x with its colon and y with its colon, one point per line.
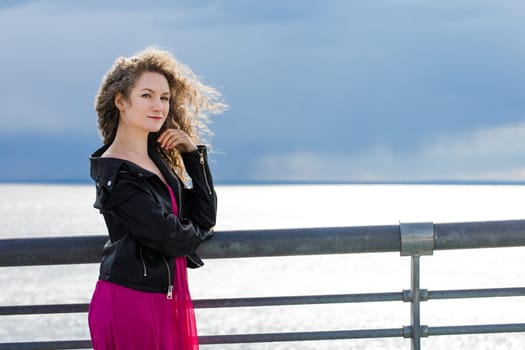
x: 157, y: 105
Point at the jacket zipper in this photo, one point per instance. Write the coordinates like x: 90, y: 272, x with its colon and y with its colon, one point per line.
x: 201, y: 155
x: 179, y: 185
x: 145, y: 272
x: 170, y: 285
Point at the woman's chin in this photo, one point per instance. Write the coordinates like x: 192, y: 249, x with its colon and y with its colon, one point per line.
x: 155, y: 128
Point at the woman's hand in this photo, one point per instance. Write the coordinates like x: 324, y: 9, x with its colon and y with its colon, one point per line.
x: 176, y: 138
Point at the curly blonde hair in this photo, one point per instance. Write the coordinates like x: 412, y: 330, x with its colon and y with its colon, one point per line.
x: 190, y: 104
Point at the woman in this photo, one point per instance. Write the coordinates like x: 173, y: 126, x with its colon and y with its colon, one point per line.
x: 151, y: 115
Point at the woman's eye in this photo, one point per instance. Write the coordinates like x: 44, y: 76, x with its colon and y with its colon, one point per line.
x: 146, y: 95
x: 164, y: 98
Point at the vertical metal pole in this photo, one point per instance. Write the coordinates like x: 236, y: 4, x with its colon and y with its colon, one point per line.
x: 415, y: 305
x: 416, y: 239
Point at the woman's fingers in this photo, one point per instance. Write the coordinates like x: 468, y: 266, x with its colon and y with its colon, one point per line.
x: 176, y: 138
x: 166, y: 136
x: 173, y: 141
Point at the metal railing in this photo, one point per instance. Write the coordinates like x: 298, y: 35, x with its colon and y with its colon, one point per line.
x: 413, y: 240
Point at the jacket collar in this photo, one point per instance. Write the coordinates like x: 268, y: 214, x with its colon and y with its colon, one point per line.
x: 105, y: 170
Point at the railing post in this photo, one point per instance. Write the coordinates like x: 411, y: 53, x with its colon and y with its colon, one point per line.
x: 415, y: 311
x: 416, y: 239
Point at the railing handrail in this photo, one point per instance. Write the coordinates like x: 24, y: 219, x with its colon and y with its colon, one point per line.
x: 276, y: 242
x: 411, y: 240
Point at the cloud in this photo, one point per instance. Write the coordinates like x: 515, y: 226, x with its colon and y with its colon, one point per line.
x: 487, y: 154
x: 354, y: 90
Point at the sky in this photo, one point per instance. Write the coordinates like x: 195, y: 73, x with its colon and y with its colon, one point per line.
x: 319, y: 91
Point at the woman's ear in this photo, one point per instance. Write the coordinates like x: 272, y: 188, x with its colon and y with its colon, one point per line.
x: 119, y: 101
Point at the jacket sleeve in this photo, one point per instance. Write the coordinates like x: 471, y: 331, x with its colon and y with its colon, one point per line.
x: 147, y: 220
x: 200, y: 202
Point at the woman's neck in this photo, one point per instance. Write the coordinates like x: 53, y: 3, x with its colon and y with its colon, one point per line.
x: 130, y: 142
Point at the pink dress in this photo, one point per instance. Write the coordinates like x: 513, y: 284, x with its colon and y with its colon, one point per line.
x: 121, y: 318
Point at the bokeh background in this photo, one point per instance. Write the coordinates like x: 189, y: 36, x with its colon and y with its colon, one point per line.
x: 319, y: 91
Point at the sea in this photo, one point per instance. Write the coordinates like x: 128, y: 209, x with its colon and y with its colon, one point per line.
x: 43, y: 210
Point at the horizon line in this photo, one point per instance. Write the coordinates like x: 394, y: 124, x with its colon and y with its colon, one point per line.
x: 287, y: 182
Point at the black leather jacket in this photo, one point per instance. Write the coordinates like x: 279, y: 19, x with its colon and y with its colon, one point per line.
x: 144, y: 234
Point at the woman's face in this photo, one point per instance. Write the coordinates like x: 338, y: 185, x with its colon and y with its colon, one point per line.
x: 148, y: 104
